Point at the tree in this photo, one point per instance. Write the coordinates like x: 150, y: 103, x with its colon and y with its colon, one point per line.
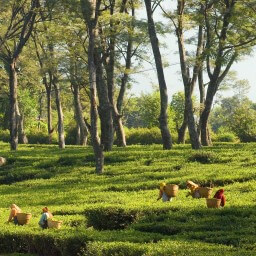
x: 166, y: 136
x: 179, y: 21
x: 21, y: 21
x: 90, y: 10
x: 229, y: 35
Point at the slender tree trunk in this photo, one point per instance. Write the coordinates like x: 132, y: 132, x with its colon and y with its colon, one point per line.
x: 79, y: 116
x: 60, y: 115
x: 202, y: 105
x: 14, y: 119
x: 201, y: 89
x: 221, y: 68
x: 22, y: 135
x: 91, y: 17
x: 182, y: 130
x: 163, y: 118
x: 120, y: 134
x: 78, y: 132
x: 49, y: 112
x: 23, y: 31
x: 205, y: 138
x: 40, y: 101
x: 105, y: 107
x: 97, y: 147
x: 195, y: 143
x: 187, y: 80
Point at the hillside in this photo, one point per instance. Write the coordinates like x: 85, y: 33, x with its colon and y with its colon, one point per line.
x: 116, y: 213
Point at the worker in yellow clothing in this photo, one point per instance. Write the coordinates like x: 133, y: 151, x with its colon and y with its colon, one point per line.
x: 13, y: 213
x: 194, y: 189
x: 163, y: 194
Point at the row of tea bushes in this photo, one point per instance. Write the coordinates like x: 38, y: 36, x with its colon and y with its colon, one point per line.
x: 142, y: 136
x: 48, y: 244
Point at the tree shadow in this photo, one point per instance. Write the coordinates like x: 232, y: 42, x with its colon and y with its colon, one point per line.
x: 232, y: 226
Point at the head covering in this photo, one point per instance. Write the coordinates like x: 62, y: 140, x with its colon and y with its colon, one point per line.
x: 162, y: 185
x: 16, y: 207
x: 191, y: 184
x: 45, y: 209
x: 219, y: 194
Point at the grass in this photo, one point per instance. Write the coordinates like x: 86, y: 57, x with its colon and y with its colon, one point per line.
x: 116, y: 213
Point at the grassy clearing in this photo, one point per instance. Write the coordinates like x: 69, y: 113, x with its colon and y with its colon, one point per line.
x: 116, y: 213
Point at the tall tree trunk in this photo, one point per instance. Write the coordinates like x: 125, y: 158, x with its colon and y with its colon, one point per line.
x: 221, y: 68
x: 23, y: 31
x: 110, y: 82
x: 40, y: 102
x: 188, y: 82
x: 50, y: 129
x: 14, y: 119
x: 22, y: 135
x: 78, y: 132
x: 91, y: 17
x: 205, y: 138
x: 61, y: 136
x: 97, y: 146
x: 79, y: 116
x: 105, y: 107
x: 194, y: 139
x: 163, y: 118
x: 120, y: 134
x: 182, y: 130
x: 202, y: 104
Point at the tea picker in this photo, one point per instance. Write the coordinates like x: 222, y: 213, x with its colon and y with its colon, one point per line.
x: 2, y: 161
x: 13, y: 213
x: 167, y: 191
x: 44, y: 217
x: 194, y: 189
x: 198, y: 192
x: 220, y: 195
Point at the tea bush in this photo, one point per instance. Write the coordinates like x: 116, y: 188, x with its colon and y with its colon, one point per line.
x: 41, y: 137
x: 227, y: 137
x: 4, y: 135
x: 143, y: 136
x: 110, y: 218
x: 203, y: 157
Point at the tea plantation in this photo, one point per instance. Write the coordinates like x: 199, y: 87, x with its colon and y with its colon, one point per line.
x: 117, y: 213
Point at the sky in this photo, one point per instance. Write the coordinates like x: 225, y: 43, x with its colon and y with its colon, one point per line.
x: 245, y: 68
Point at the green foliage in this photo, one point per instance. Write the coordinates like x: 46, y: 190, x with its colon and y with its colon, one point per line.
x: 243, y: 124
x: 40, y: 137
x: 115, y: 248
x: 143, y: 136
x: 203, y: 157
x: 162, y: 248
x: 226, y: 137
x: 150, y: 109
x: 4, y: 135
x: 178, y: 105
x: 144, y: 111
x: 71, y: 134
x: 110, y: 218
x: 235, y: 115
